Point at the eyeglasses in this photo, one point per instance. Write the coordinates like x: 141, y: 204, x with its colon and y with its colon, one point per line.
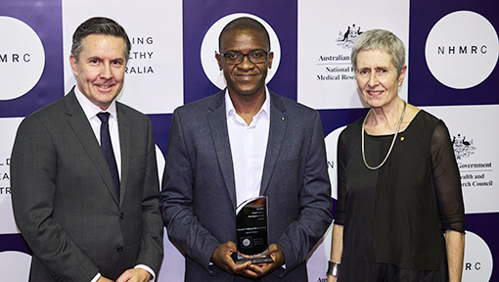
x: 235, y: 58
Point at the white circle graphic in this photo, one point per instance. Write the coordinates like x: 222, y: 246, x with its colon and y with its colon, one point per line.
x: 210, y: 45
x: 22, y: 58
x: 331, y: 141
x: 161, y: 162
x: 14, y: 266
x: 462, y: 49
x: 477, y: 259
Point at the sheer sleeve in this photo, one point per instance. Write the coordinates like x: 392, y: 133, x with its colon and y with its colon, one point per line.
x: 447, y: 180
x: 341, y: 167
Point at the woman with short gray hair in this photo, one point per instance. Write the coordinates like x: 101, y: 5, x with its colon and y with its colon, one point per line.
x: 400, y: 211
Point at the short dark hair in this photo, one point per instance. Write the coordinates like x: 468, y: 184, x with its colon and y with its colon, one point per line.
x: 244, y: 23
x: 98, y: 25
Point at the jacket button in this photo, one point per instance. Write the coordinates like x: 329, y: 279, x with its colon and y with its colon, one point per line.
x: 119, y: 250
x: 122, y: 215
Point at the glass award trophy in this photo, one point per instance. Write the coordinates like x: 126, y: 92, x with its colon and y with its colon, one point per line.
x: 252, y: 231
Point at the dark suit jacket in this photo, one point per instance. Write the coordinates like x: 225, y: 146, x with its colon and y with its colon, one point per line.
x: 65, y: 203
x: 199, y: 197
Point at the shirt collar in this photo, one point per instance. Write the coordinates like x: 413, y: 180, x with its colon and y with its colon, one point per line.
x: 90, y: 109
x: 231, y: 111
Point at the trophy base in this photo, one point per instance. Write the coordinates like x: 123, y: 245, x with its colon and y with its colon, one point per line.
x: 255, y: 260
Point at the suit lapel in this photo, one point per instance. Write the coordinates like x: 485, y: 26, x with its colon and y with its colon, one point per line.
x: 277, y: 131
x: 124, y: 131
x: 218, y: 126
x: 82, y: 129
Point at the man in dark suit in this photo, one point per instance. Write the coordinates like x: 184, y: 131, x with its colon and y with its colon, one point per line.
x: 240, y: 143
x: 85, y: 191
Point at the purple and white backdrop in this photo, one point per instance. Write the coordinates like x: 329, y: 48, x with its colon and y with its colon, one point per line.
x: 452, y: 52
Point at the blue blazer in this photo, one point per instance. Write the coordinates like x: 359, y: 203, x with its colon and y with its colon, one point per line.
x: 198, y: 197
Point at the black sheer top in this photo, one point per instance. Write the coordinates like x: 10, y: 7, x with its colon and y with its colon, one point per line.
x: 398, y: 213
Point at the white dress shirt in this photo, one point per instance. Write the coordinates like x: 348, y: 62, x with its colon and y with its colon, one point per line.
x: 248, y: 144
x: 91, y: 111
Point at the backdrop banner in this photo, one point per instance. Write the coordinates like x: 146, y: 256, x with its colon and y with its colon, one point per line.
x: 452, y: 49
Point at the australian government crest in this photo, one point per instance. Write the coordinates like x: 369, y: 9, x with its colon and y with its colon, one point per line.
x: 337, y: 67
x: 347, y: 38
x: 462, y: 148
x: 473, y: 174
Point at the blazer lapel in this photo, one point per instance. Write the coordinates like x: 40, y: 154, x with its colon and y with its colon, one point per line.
x: 277, y: 131
x: 124, y: 131
x: 218, y: 126
x: 82, y: 129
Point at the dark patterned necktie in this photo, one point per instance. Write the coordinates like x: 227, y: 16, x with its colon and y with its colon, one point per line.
x: 107, y: 149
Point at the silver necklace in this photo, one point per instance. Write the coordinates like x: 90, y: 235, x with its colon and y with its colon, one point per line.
x: 391, y: 146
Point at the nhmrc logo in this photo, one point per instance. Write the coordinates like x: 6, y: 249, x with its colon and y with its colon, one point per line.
x: 462, y: 49
x: 22, y: 58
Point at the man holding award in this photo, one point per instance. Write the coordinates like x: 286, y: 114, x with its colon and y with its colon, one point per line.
x: 246, y: 171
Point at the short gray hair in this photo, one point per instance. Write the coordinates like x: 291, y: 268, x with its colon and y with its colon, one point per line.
x: 98, y: 25
x: 382, y: 40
